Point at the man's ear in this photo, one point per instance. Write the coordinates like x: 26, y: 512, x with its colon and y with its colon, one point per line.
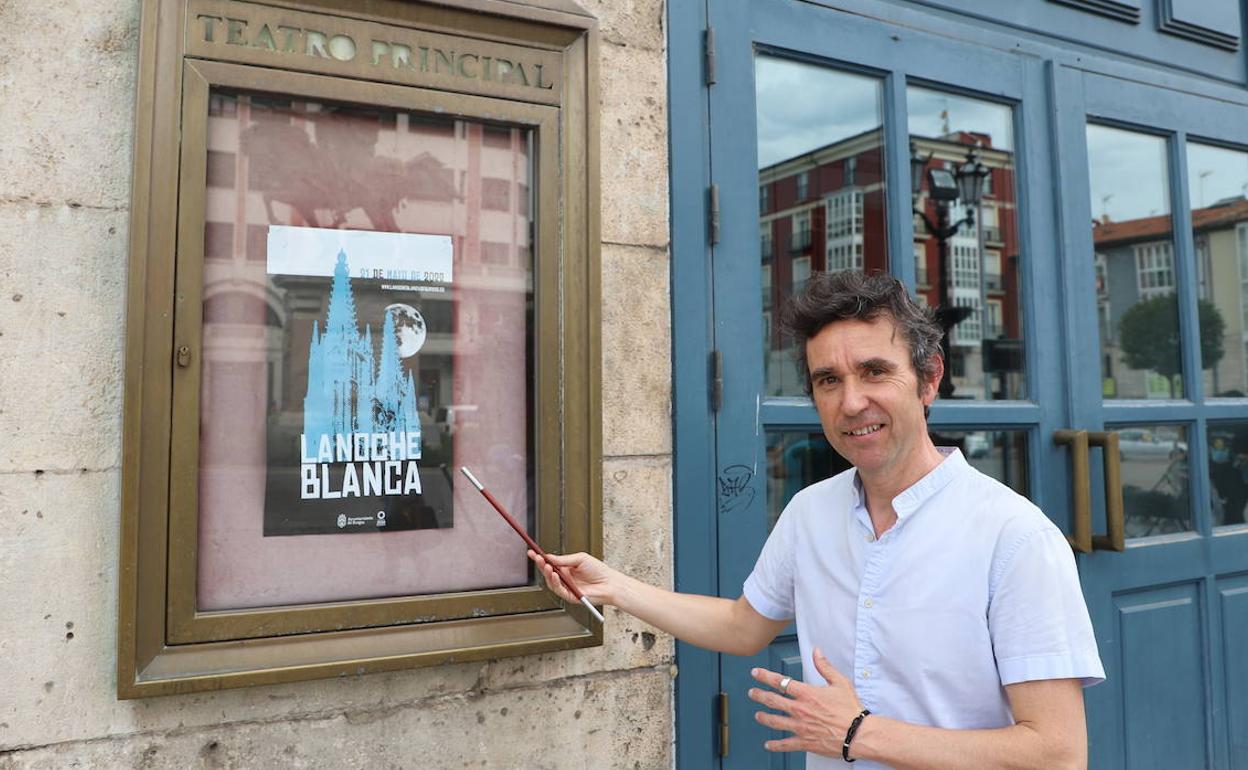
x: 931, y: 385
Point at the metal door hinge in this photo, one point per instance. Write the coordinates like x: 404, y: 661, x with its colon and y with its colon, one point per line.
x: 723, y: 724
x: 717, y: 380
x: 713, y: 213
x: 709, y: 44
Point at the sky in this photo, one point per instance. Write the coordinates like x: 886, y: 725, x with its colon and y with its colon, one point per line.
x: 804, y: 106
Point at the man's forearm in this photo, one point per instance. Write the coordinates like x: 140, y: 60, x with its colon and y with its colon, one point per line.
x: 906, y: 746
x: 705, y: 621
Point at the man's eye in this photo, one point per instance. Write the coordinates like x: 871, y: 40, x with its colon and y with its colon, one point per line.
x: 876, y: 372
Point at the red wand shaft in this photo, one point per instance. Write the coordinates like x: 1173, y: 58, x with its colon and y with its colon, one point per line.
x: 537, y: 549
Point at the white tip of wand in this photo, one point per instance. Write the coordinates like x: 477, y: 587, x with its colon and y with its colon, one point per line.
x: 464, y: 469
x: 592, y: 609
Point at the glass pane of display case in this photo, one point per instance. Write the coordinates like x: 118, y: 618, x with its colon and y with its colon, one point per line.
x: 367, y: 329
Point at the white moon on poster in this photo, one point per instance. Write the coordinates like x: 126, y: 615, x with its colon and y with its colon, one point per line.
x: 409, y: 325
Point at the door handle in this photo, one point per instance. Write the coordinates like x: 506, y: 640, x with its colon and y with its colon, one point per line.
x: 1079, y: 441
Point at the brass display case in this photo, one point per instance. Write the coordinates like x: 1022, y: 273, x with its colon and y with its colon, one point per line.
x: 448, y: 152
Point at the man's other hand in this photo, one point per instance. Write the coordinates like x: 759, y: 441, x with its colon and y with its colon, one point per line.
x: 817, y: 716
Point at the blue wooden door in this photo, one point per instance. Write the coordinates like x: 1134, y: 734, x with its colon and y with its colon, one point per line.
x: 1102, y: 286
x: 1156, y: 286
x: 814, y: 117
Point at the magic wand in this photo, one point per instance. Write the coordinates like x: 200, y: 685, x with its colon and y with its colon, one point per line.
x: 537, y: 549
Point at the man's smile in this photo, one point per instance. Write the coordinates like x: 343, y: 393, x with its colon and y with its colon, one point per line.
x: 864, y: 430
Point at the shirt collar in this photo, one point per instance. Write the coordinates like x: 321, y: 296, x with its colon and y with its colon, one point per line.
x: 913, y: 497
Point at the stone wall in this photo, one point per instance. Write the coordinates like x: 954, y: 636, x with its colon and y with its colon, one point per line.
x: 67, y: 89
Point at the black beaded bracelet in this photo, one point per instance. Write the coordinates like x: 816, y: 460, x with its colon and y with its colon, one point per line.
x: 851, y: 732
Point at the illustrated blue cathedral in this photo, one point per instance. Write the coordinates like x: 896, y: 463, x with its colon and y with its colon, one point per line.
x: 348, y: 390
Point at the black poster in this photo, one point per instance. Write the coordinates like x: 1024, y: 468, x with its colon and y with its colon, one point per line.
x: 351, y: 457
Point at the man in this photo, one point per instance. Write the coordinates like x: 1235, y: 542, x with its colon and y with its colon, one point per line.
x: 939, y: 614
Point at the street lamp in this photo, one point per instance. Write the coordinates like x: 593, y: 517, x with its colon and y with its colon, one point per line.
x: 946, y: 187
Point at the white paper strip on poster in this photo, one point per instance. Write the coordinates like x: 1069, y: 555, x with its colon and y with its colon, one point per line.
x: 392, y: 256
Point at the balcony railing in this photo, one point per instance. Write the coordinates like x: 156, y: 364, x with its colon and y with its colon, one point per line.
x: 992, y: 281
x: 992, y: 234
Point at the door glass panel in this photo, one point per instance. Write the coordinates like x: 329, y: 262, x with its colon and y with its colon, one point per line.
x: 798, y: 458
x: 967, y: 248
x: 1132, y: 234
x: 1155, y: 479
x: 1228, y: 470
x: 821, y: 188
x: 1217, y: 186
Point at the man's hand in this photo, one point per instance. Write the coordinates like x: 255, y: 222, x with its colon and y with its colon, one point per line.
x: 818, y: 717
x: 595, y: 579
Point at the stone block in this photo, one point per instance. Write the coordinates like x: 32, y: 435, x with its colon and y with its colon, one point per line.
x: 636, y: 23
x: 620, y: 720
x: 636, y: 352
x: 59, y: 536
x: 634, y: 146
x: 67, y: 94
x: 63, y: 271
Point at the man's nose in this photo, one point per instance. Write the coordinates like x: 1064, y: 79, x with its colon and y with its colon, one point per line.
x: 853, y: 396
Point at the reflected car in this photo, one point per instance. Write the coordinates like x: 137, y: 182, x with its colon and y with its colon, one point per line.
x: 1135, y: 443
x: 976, y: 444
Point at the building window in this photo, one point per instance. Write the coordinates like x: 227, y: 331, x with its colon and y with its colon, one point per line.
x: 844, y: 230
x: 764, y: 198
x: 964, y: 288
x: 803, y: 185
x: 1154, y: 269
x: 220, y: 171
x: 218, y: 240
x: 920, y: 263
x: 801, y: 232
x: 992, y: 270
x: 495, y: 194
x: 995, y: 326
x: 801, y: 273
x: 764, y: 241
x: 494, y: 253
x: 851, y: 171
x: 766, y: 282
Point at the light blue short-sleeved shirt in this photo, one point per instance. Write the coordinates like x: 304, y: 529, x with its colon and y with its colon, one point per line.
x: 972, y: 589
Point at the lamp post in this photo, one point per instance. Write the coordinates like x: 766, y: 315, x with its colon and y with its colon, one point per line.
x: 947, y: 187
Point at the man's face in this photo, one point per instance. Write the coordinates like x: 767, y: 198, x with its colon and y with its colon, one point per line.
x: 868, y: 395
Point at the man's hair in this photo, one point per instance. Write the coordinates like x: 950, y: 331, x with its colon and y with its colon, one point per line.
x: 850, y: 295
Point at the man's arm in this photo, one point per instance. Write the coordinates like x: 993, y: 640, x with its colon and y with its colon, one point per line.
x: 722, y: 625
x: 1048, y: 732
x: 1049, y: 729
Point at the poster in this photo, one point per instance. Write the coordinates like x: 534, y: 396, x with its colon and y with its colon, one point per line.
x: 350, y: 456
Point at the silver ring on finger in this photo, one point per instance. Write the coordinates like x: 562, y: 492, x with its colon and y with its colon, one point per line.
x: 784, y: 684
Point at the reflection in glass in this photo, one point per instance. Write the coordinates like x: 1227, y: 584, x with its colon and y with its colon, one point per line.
x: 796, y: 459
x: 1217, y: 185
x: 1132, y: 235
x: 967, y: 247
x: 1001, y: 454
x: 1155, y: 474
x: 1228, y: 470
x: 821, y: 187
x: 435, y: 363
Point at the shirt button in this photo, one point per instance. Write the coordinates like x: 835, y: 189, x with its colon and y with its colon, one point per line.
x: 870, y: 538
x: 868, y: 604
x: 866, y: 673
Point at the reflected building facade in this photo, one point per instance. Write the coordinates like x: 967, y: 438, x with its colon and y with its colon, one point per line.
x: 825, y: 210
x: 1135, y: 264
